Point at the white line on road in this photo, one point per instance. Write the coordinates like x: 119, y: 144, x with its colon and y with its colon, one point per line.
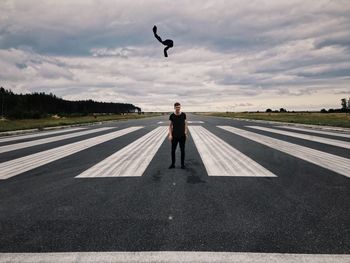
x: 329, y: 161
x: 338, y: 134
x: 21, y: 145
x: 195, y: 122
x: 323, y: 140
x: 26, y: 163
x: 221, y: 159
x: 171, y: 257
x: 131, y: 160
x: 37, y: 134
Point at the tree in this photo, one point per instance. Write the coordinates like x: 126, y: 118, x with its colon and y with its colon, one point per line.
x: 2, y: 93
x: 323, y: 111
x: 37, y: 105
x: 268, y: 110
x: 343, y: 105
x: 283, y: 110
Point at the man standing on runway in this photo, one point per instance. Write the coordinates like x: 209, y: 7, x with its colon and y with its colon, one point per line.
x: 177, y: 134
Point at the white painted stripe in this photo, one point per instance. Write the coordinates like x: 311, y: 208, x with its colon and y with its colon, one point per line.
x: 221, y: 159
x: 323, y: 140
x: 329, y: 161
x: 195, y: 122
x: 37, y: 134
x: 171, y: 257
x: 338, y: 134
x: 26, y: 163
x: 160, y: 122
x: 21, y: 145
x: 131, y: 160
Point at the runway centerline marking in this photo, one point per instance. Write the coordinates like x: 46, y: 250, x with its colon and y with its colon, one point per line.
x: 195, y: 122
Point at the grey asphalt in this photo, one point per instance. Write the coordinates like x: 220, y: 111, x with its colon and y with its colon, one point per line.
x: 305, y: 209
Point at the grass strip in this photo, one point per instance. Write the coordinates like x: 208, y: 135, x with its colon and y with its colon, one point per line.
x: 314, y: 118
x: 13, y: 125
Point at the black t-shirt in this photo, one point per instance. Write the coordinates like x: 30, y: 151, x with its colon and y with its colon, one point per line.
x: 178, y: 124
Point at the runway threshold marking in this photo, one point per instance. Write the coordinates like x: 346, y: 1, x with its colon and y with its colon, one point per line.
x: 329, y: 161
x: 37, y: 134
x: 344, y: 135
x: 221, y: 159
x: 132, y: 160
x: 312, y: 138
x: 171, y: 257
x: 21, y: 145
x: 20, y: 165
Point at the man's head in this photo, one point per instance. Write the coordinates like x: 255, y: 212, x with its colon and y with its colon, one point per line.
x: 177, y: 107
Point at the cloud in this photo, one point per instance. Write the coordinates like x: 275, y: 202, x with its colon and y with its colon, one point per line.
x: 347, y: 92
x: 246, y: 54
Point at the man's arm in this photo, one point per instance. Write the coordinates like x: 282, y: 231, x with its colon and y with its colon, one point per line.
x: 186, y: 130
x: 170, y: 130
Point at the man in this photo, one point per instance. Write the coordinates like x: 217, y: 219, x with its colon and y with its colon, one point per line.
x: 177, y: 134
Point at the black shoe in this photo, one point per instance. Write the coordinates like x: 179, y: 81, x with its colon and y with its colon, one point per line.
x: 171, y: 166
x: 183, y: 166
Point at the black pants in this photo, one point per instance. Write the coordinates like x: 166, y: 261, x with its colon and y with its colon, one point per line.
x: 181, y: 141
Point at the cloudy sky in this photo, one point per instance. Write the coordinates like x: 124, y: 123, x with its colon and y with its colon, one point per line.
x: 227, y: 55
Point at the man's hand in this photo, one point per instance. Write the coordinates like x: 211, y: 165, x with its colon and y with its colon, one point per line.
x: 155, y: 30
x: 170, y: 137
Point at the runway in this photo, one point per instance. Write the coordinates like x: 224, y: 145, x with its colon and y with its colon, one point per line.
x: 251, y: 188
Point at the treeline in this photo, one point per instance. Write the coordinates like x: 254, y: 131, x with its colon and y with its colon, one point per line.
x: 345, y: 107
x: 281, y: 110
x: 322, y: 110
x: 38, y: 105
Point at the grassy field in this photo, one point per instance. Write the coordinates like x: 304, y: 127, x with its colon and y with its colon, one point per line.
x: 11, y: 125
x: 314, y: 118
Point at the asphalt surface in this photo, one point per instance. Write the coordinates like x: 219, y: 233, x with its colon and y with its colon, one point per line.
x: 305, y: 208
